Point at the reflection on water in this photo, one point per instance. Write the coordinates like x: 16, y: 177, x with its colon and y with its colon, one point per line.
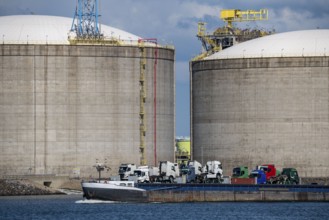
x: 92, y: 201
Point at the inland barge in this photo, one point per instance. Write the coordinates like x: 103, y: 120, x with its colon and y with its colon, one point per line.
x: 128, y: 191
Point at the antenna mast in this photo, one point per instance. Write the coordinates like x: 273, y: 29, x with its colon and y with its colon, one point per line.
x: 85, y: 20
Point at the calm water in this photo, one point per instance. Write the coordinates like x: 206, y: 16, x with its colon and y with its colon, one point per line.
x: 73, y: 207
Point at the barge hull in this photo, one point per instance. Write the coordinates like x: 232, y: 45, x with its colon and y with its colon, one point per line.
x: 154, y: 192
x: 234, y: 192
x: 236, y: 196
x: 115, y: 195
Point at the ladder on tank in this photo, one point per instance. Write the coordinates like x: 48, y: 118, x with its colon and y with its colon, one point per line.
x: 142, y: 117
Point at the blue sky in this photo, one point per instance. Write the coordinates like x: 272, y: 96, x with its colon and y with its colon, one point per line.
x: 175, y: 22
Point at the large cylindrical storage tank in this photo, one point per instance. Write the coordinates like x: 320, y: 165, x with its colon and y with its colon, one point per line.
x: 64, y: 107
x: 265, y: 101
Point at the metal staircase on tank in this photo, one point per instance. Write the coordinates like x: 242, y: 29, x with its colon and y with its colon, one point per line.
x: 143, y: 95
x: 142, y: 117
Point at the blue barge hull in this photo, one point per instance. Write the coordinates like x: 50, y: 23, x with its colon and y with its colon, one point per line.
x: 231, y: 192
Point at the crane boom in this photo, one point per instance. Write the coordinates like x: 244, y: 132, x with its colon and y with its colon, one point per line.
x: 236, y: 15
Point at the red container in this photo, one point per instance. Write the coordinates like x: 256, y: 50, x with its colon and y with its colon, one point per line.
x: 243, y: 181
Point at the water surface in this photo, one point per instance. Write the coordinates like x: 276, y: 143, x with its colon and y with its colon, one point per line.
x: 74, y: 207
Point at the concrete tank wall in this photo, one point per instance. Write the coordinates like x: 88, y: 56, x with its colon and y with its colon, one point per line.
x: 62, y: 108
x: 262, y: 110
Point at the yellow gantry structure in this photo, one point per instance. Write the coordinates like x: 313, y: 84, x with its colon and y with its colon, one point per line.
x: 236, y: 15
x: 227, y: 36
x: 202, y: 34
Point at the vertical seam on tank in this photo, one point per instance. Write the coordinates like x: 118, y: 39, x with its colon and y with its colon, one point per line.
x: 35, y: 106
x: 45, y: 63
x: 75, y: 106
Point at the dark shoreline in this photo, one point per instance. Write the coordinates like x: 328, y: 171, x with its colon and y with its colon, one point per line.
x: 25, y: 187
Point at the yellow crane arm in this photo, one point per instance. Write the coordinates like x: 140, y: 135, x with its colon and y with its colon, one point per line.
x: 236, y: 15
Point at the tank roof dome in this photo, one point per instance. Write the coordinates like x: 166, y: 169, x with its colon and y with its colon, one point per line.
x: 288, y: 44
x: 41, y: 29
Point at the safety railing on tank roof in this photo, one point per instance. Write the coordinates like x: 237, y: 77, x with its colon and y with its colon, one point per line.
x: 33, y: 42
x: 262, y: 54
x: 105, y: 41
